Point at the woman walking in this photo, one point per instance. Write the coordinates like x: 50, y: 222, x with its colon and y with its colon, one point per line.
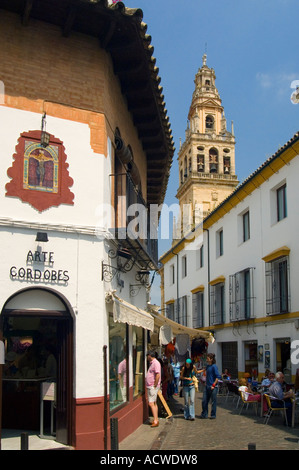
x: 187, y: 374
x: 211, y: 387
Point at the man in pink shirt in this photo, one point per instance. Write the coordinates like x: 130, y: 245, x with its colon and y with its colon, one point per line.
x: 152, y: 382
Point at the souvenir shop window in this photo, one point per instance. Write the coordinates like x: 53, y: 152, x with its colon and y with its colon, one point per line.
x: 138, y: 361
x: 118, y: 363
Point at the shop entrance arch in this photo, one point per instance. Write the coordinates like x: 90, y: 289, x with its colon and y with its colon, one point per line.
x: 36, y: 326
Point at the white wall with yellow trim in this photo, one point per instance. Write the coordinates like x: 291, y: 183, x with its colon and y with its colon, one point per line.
x: 268, y: 240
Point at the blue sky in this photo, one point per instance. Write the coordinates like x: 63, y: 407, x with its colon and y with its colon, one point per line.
x: 253, y: 47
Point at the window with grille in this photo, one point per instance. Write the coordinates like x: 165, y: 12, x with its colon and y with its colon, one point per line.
x: 277, y: 286
x: 180, y: 310
x: 170, y: 311
x: 197, y: 309
x: 241, y: 296
x: 217, y: 304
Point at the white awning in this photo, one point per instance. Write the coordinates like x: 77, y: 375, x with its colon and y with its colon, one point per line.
x: 124, y: 312
x: 177, y: 328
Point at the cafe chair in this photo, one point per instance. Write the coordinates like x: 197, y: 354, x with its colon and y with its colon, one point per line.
x: 233, y: 391
x: 271, y: 409
x: 247, y: 403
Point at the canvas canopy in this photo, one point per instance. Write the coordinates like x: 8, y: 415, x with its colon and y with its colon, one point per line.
x: 177, y: 328
x: 124, y: 312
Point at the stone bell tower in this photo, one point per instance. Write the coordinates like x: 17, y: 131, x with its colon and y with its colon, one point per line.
x: 207, y: 157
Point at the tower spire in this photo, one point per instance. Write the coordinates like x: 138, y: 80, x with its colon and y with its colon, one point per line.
x: 207, y: 157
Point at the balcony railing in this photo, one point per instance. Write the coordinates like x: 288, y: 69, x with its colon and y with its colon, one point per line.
x: 241, y: 295
x: 203, y: 175
x: 133, y: 226
x: 217, y: 304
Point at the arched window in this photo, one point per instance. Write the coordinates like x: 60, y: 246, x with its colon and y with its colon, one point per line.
x: 200, y: 163
x: 213, y: 160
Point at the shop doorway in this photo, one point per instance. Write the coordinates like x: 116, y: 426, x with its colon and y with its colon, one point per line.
x: 36, y: 383
x: 251, y: 358
x: 283, y: 358
x: 230, y: 358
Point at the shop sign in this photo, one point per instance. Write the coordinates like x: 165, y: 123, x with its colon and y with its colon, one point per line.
x: 39, y: 268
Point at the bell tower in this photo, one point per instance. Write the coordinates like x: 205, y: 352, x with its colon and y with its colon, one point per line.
x: 207, y: 157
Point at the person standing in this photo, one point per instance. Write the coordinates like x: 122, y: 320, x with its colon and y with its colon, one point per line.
x: 153, y: 381
x: 187, y: 374
x: 211, y: 387
x: 176, y: 376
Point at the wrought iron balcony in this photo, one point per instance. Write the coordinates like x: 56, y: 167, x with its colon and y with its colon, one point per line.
x: 133, y: 227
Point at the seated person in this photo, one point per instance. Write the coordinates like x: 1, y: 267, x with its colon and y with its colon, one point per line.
x: 266, y: 376
x: 249, y: 395
x: 267, y: 381
x: 247, y: 376
x: 226, y: 375
x: 281, y: 398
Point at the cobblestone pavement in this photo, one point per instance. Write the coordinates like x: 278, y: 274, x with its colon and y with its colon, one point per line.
x: 229, y: 431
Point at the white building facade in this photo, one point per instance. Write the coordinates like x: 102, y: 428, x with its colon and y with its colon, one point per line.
x: 236, y: 273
